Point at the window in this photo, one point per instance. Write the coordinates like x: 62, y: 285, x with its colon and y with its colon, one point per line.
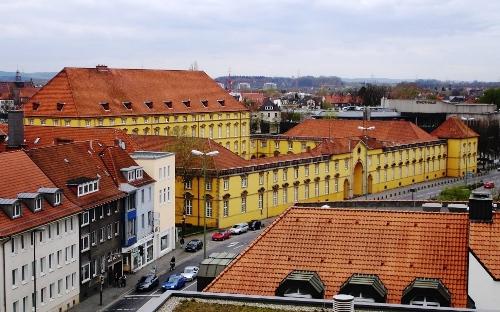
x: 296, y: 193
x: 102, y: 235
x: 306, y: 170
x: 51, y: 262
x: 92, y: 214
x: 59, y: 253
x: 110, y: 229
x: 306, y: 190
x: 276, y: 144
x: 336, y: 184
x: 38, y: 203
x: 275, y: 175
x: 85, y: 243
x: 327, y: 167
x: 208, y: 208
x: 285, y: 174
x: 16, y: 212
x: 296, y: 172
x: 316, y: 169
x: 85, y: 218
x: 225, y: 208
x: 188, y: 204
x: 117, y: 228
x: 14, y: 278
x: 93, y: 240
x: 244, y: 181
x: 275, y: 197
x: 208, y: 185
x: 346, y: 164
x: 108, y: 210
x: 261, y: 200
x: 261, y: 178
x: 226, y: 183
x: 85, y: 273
x: 42, y: 265
x: 59, y: 286
x: 24, y: 273
x: 243, y: 203
x: 337, y: 165
x: 51, y: 290
x: 67, y: 282
x: 327, y: 187
x: 15, y: 306
x: 290, y: 145
x: 43, y: 291
x: 316, y: 189
x: 143, y: 221
x: 87, y: 188
x: 188, y: 184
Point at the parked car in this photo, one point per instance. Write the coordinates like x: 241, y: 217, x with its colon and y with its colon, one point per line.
x: 221, y: 235
x: 194, y: 245
x: 489, y: 184
x: 255, y: 225
x: 190, y: 272
x: 174, y: 282
x: 239, y: 228
x: 147, y: 282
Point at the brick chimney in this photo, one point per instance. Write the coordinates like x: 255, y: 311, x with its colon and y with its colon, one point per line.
x: 16, y: 129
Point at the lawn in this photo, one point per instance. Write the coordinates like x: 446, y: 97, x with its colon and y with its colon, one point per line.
x: 195, y: 306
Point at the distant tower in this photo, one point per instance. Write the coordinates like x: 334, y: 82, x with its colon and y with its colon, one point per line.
x: 18, y: 75
x: 229, y: 82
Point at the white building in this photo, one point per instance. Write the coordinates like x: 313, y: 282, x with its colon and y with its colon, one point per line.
x: 161, y: 167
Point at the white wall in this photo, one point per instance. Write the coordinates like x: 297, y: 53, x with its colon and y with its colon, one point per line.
x: 482, y: 288
x: 24, y: 256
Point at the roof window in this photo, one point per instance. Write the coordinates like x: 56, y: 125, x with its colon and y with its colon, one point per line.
x: 16, y: 210
x: 52, y: 194
x: 426, y: 292
x: 149, y: 104
x: 222, y: 102
x: 301, y: 284
x: 187, y: 103
x: 60, y: 106
x: 32, y: 200
x: 127, y: 104
x: 365, y: 288
x: 132, y: 173
x: 105, y: 106
x: 168, y: 103
x: 205, y: 103
x: 11, y: 206
x: 35, y: 105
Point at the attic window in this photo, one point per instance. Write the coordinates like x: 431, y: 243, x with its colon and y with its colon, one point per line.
x: 105, y: 106
x: 168, y: 104
x: 57, y: 198
x: 149, y: 104
x: 426, y: 292
x: 187, y: 103
x: 60, y: 106
x: 88, y: 187
x: 138, y: 173
x: 204, y: 102
x: 127, y: 104
x: 222, y: 102
x: 301, y: 284
x: 38, y: 203
x: 365, y: 288
x: 36, y: 105
x: 16, y: 210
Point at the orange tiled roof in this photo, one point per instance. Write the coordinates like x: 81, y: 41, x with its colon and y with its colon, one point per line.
x: 484, y: 241
x: 65, y: 162
x: 394, y: 132
x: 82, y: 90
x: 454, y: 128
x: 397, y: 246
x: 20, y: 174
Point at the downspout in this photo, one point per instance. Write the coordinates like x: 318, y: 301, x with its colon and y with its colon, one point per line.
x: 198, y: 178
x: 5, y: 240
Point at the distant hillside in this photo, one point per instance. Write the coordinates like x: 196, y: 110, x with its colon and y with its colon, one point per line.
x: 37, y: 76
x: 306, y: 82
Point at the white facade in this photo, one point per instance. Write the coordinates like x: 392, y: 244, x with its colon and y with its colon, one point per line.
x: 161, y: 167
x: 482, y: 288
x: 57, y: 268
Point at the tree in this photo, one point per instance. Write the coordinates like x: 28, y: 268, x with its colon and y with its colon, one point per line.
x: 491, y: 96
x: 405, y: 90
x: 372, y: 94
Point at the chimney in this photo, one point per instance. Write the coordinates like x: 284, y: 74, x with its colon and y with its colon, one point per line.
x: 16, y: 128
x: 480, y: 207
x: 343, y: 303
x: 101, y: 68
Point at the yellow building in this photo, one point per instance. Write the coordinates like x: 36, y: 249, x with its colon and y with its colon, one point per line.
x: 142, y: 101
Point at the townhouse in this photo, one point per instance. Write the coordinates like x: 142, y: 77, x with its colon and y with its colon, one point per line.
x: 142, y: 101
x: 39, y: 239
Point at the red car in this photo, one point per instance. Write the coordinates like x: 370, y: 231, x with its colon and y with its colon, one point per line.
x: 489, y: 184
x: 221, y: 235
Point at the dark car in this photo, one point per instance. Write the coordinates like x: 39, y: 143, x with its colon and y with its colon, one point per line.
x: 147, y: 282
x: 194, y: 245
x: 174, y: 282
x: 255, y: 225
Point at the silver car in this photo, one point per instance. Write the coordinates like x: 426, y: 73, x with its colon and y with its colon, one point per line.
x: 190, y: 272
x: 239, y: 228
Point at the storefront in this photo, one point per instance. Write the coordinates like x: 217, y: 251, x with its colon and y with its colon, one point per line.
x: 138, y: 255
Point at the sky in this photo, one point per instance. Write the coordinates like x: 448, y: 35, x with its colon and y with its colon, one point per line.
x: 400, y: 39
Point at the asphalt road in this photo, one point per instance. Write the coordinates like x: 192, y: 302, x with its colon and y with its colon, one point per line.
x: 133, y: 300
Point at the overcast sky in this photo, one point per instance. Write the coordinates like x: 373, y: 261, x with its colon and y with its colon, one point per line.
x: 442, y: 39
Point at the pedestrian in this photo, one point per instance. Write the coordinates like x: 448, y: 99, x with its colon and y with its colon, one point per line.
x: 172, y: 263
x: 123, y: 281
x: 182, y: 242
x: 116, y: 279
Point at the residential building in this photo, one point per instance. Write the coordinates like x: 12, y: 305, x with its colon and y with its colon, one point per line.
x: 270, y: 114
x: 39, y: 234
x: 78, y: 170
x: 161, y: 166
x: 142, y: 101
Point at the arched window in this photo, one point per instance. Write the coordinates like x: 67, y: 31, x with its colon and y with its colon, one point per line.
x: 365, y: 288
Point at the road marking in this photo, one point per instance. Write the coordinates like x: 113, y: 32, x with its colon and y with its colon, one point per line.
x: 140, y: 296
x: 189, y: 286
x: 232, y: 244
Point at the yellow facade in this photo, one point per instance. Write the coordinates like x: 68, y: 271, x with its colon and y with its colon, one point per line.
x: 230, y: 129
x: 462, y: 156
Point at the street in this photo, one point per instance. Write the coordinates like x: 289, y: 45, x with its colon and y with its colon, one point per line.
x: 132, y: 300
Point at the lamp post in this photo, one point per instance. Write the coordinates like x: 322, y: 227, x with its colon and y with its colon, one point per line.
x: 204, y: 169
x: 33, y: 235
x: 364, y: 129
x: 467, y: 150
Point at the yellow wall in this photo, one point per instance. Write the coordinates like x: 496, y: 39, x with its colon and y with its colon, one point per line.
x: 462, y: 156
x: 234, y: 132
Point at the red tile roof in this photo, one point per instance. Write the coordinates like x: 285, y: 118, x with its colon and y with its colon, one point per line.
x: 82, y: 90
x: 20, y: 174
x: 390, y: 133
x: 454, y: 128
x: 397, y: 246
x: 484, y: 241
x: 343, y: 99
x: 65, y: 162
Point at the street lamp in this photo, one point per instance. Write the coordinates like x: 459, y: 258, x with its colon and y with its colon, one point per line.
x: 33, y: 235
x: 204, y: 168
x: 364, y: 129
x: 467, y: 150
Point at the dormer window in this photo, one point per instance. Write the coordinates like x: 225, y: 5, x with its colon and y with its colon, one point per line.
x: 127, y: 104
x: 187, y: 103
x: 60, y: 106
x: 105, y: 106
x: 32, y: 200
x: 35, y: 105
x: 38, y: 203
x: 149, y: 104
x: 57, y: 198
x: 205, y: 103
x: 138, y: 173
x: 168, y: 103
x: 88, y: 187
x: 222, y: 102
x: 131, y: 175
x: 16, y: 210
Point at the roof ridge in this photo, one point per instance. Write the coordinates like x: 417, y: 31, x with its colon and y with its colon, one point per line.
x: 71, y: 92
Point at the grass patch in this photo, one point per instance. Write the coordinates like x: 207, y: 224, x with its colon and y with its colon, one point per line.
x: 455, y: 193
x: 195, y: 306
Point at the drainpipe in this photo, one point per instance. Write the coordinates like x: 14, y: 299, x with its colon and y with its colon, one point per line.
x: 5, y: 240
x: 198, y: 178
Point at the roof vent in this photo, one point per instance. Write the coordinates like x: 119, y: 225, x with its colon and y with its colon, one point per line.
x: 149, y: 104
x: 36, y: 141
x: 343, y: 303
x: 168, y: 103
x: 35, y: 105
x: 127, y: 104
x: 187, y: 103
x: 101, y: 67
x: 60, y: 106
x: 222, y: 102
x: 204, y: 102
x: 480, y: 207
x: 105, y: 106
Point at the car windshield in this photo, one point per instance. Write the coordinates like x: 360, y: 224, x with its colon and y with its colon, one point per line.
x: 236, y: 226
x: 148, y: 278
x: 188, y: 270
x: 173, y: 279
x: 192, y: 243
